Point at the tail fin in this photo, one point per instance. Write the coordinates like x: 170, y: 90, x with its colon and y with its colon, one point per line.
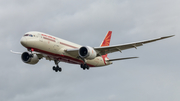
x: 106, y: 42
x: 107, y: 39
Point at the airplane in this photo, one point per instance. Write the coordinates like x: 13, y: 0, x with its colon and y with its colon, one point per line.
x: 41, y: 45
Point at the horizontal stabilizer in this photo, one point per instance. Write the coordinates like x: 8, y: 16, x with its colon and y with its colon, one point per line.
x: 122, y: 59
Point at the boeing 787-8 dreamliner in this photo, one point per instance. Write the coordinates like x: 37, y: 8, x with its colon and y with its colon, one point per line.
x: 41, y: 45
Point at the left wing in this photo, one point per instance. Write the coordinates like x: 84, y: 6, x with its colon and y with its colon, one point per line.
x: 115, y: 48
x: 110, y: 49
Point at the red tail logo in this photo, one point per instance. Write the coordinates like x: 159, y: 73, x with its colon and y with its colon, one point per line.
x: 107, y: 39
x: 106, y: 42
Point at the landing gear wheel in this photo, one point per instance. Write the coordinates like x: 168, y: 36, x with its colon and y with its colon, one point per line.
x: 60, y: 69
x: 88, y: 68
x: 57, y: 68
x: 54, y: 68
x: 84, y: 66
x: 81, y: 65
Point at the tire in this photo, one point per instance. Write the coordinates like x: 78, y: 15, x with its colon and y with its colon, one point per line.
x: 60, y: 69
x: 86, y: 66
x: 54, y: 68
x: 81, y: 65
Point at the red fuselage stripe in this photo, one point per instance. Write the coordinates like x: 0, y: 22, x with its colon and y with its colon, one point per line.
x: 67, y: 45
x: 49, y: 39
x: 61, y: 57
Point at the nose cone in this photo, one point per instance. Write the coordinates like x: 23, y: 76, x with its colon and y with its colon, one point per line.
x: 23, y: 41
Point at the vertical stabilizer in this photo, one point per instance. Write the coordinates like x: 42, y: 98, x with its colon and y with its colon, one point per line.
x: 107, y: 39
x: 106, y: 42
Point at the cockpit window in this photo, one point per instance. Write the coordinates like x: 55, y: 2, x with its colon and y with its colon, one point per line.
x: 28, y: 35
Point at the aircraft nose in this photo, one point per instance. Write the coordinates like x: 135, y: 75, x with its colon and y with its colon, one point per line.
x: 23, y: 41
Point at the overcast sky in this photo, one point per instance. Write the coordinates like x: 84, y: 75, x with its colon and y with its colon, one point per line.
x: 155, y: 76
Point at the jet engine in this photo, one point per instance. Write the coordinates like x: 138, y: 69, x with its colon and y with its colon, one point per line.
x: 29, y: 58
x: 87, y: 52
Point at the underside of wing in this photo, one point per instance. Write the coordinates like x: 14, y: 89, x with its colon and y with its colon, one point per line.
x: 73, y: 52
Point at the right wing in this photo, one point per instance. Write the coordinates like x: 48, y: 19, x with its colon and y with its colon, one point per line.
x: 38, y: 54
x: 15, y: 52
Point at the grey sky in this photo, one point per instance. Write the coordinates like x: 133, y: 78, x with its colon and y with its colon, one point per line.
x: 152, y: 77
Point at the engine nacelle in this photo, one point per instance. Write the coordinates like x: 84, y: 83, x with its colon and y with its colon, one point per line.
x: 29, y: 58
x: 87, y: 52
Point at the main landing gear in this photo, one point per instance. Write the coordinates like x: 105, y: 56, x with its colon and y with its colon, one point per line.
x: 57, y: 68
x: 84, y: 66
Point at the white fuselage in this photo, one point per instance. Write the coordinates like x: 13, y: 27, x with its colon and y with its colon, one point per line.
x: 53, y: 48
